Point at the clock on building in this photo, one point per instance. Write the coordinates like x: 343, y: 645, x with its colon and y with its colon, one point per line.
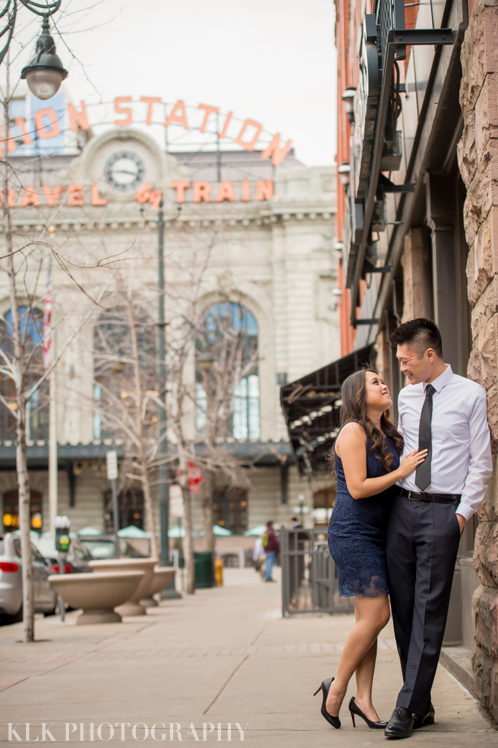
x: 124, y: 170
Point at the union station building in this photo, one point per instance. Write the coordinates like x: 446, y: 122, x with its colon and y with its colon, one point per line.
x: 92, y: 193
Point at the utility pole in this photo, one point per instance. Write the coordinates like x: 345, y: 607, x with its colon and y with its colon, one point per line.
x: 170, y: 592
x: 161, y: 373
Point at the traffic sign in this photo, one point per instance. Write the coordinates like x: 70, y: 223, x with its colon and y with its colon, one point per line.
x: 112, y: 465
x: 195, y: 477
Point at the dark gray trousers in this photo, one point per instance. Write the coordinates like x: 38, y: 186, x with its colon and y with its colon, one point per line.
x: 422, y: 546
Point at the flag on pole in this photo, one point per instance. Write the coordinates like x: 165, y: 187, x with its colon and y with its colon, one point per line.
x: 47, y: 321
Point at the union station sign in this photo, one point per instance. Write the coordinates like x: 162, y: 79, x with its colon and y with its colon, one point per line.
x: 124, y: 170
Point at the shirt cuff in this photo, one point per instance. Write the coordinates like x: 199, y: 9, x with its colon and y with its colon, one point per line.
x: 465, y: 511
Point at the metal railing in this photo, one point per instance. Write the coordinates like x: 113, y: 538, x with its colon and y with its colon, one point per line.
x: 309, y: 577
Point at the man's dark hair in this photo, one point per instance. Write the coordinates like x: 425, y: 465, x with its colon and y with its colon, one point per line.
x: 270, y: 522
x: 421, y: 334
x: 294, y: 519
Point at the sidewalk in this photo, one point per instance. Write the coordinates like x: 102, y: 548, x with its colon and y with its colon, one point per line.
x: 221, y: 656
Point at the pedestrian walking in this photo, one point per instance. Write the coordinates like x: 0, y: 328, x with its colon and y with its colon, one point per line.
x: 367, y: 465
x: 258, y: 556
x: 446, y: 415
x: 272, y: 549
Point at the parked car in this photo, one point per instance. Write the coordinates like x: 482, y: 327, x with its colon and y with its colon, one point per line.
x: 11, y: 581
x: 104, y: 546
x: 76, y: 560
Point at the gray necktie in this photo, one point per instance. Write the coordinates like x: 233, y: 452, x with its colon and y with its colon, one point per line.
x: 423, y: 472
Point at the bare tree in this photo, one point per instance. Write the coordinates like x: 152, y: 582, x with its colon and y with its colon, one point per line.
x: 226, y: 369
x: 125, y: 374
x: 20, y: 353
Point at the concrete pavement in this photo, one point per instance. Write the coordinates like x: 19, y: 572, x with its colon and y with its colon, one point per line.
x: 223, y: 656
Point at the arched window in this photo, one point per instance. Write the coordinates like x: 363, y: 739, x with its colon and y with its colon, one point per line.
x: 31, y: 328
x: 227, y: 372
x: 114, y: 377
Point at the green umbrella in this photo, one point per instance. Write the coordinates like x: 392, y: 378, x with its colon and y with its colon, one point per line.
x: 133, y: 532
x: 221, y: 532
x: 176, y: 532
x: 89, y: 531
x: 255, y: 532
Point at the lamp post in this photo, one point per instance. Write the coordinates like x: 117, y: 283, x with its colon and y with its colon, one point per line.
x: 170, y: 592
x: 161, y: 373
x: 44, y: 74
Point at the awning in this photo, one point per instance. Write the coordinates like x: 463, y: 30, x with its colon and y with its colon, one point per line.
x: 311, y: 409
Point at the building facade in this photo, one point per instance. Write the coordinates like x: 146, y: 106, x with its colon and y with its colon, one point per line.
x: 416, y: 225
x: 95, y: 198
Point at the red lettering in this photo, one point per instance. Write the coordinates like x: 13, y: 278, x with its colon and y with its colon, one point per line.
x: 209, y: 110
x: 180, y: 117
x: 52, y: 195
x: 180, y: 188
x: 278, y: 153
x: 226, y: 192
x: 264, y: 190
x: 11, y: 198
x: 75, y: 195
x: 96, y: 199
x: 202, y: 192
x: 249, y: 123
x: 123, y: 110
x: 40, y: 127
x: 149, y: 100
x: 78, y: 120
x: 30, y: 197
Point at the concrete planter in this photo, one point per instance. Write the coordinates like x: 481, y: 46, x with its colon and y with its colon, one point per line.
x: 132, y: 606
x: 97, y: 594
x: 162, y: 577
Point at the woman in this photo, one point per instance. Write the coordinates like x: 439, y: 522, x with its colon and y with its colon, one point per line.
x: 367, y: 466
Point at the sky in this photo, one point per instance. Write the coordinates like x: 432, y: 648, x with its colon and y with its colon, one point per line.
x: 272, y: 61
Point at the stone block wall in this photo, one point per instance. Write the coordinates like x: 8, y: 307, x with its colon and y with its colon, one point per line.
x: 478, y: 161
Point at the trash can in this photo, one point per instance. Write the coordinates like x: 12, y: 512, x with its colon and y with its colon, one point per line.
x: 203, y: 565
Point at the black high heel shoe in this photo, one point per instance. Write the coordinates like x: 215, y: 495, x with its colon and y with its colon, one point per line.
x: 355, y: 709
x: 324, y: 687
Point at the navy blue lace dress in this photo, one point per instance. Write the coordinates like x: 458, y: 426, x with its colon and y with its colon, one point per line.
x: 357, y: 531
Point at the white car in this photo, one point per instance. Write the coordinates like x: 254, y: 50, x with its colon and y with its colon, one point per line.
x: 11, y: 581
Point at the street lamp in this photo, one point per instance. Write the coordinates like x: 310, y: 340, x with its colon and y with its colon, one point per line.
x: 45, y: 73
x: 348, y: 99
x: 344, y: 171
x: 205, y: 362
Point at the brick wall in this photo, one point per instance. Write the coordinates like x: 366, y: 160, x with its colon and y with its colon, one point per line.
x: 478, y: 160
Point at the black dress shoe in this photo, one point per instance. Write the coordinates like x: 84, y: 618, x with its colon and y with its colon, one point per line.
x: 325, y: 688
x: 355, y: 709
x: 400, y: 725
x: 428, y: 719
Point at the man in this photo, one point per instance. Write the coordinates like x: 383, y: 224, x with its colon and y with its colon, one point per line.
x: 447, y: 415
x: 272, y: 549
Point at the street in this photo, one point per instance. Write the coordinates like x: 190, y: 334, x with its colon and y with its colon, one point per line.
x: 197, y: 665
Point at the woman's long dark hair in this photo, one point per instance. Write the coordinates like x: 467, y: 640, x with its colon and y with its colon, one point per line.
x: 354, y: 408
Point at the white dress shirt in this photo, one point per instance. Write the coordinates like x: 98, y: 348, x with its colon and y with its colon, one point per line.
x: 461, y: 443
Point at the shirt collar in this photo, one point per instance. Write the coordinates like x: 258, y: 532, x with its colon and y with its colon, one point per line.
x: 442, y: 380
